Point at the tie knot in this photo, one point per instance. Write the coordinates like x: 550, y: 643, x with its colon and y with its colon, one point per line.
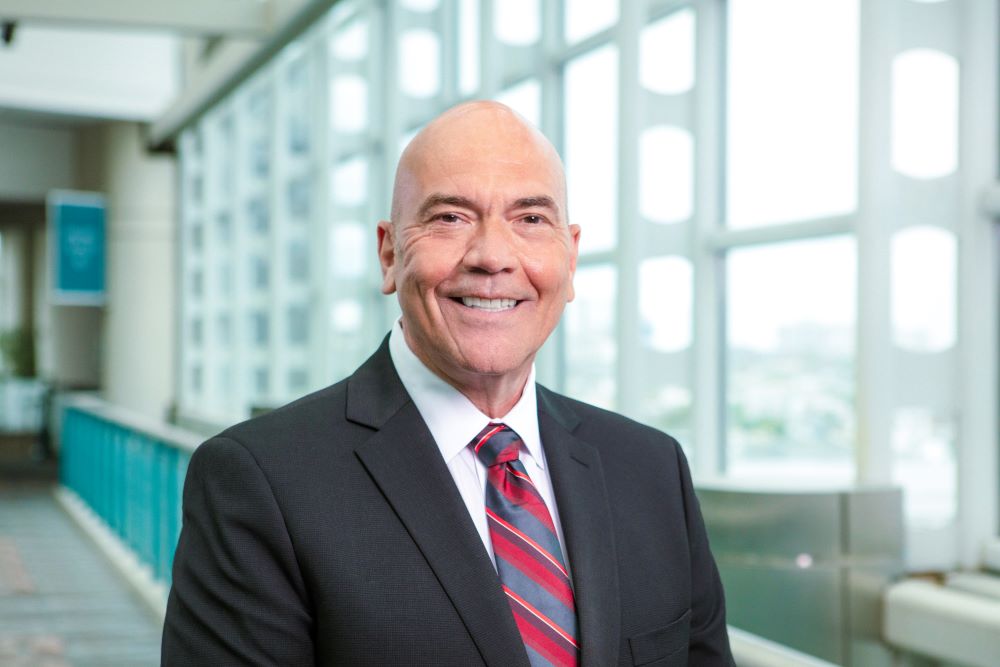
x: 496, y: 444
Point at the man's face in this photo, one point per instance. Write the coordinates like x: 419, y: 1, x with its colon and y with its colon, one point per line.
x: 480, y: 252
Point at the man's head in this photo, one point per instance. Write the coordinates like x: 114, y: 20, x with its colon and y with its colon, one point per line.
x: 479, y: 248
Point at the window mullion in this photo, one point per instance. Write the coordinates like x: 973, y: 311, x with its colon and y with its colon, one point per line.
x: 630, y: 226
x: 709, y: 400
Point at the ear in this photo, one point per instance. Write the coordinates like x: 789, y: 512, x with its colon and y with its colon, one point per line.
x: 574, y: 232
x: 387, y: 256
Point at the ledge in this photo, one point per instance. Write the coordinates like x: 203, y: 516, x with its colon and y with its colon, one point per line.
x: 942, y: 623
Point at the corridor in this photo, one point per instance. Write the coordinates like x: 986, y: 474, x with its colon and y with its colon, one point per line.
x: 61, y: 602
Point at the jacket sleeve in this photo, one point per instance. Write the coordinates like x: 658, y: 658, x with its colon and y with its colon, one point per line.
x: 238, y: 596
x: 709, y: 638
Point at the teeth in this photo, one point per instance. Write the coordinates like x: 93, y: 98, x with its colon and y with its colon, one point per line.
x: 488, y: 304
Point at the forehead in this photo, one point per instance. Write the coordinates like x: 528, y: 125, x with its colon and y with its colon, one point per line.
x: 486, y: 166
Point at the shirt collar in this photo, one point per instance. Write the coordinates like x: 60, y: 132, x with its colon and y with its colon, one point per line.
x: 451, y: 417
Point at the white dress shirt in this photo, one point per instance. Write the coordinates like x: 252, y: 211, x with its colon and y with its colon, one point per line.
x: 454, y: 421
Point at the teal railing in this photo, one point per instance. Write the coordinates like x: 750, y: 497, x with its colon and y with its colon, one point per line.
x: 130, y: 472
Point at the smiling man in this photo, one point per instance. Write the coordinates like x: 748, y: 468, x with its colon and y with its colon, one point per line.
x: 438, y: 507
x: 479, y: 250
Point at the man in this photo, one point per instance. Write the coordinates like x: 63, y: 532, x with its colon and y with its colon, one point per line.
x: 437, y: 508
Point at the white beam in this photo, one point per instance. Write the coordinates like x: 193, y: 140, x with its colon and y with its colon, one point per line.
x: 213, y: 17
x: 722, y: 238
x: 976, y: 448
x: 989, y: 200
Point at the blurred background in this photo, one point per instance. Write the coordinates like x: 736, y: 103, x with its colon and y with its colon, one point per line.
x: 788, y: 261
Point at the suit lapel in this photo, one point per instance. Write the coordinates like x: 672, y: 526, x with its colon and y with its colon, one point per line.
x: 585, y: 516
x: 406, y: 464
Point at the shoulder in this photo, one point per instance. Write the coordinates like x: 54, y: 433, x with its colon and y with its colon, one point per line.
x: 320, y: 410
x: 318, y: 433
x: 296, y: 436
x: 342, y: 414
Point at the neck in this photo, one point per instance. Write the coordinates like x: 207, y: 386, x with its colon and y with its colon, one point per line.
x: 493, y: 395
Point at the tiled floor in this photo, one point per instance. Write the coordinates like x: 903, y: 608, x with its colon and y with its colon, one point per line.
x: 61, y: 602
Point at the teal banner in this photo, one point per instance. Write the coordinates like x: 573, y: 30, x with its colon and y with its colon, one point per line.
x: 77, y: 242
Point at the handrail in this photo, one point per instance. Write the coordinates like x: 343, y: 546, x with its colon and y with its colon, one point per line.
x: 168, y: 434
x: 750, y: 650
x: 944, y: 623
x: 130, y: 471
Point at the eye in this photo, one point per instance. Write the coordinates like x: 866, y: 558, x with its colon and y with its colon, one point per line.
x: 533, y: 219
x: 447, y: 217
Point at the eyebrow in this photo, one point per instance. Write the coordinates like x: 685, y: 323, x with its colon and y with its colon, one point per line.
x: 435, y: 200
x: 540, y: 201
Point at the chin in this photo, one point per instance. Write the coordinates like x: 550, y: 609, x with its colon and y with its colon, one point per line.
x: 495, y: 363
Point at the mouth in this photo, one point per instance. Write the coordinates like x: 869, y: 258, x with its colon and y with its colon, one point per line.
x: 488, y: 305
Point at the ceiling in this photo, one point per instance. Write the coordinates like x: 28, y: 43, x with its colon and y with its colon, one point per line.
x: 69, y: 63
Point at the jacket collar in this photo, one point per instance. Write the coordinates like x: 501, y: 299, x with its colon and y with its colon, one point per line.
x: 580, y: 490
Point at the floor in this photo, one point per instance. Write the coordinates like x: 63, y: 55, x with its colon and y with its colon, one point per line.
x: 61, y: 602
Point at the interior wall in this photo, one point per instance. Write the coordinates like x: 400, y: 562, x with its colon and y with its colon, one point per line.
x: 12, y: 262
x: 138, y: 342
x: 67, y: 338
x: 35, y: 159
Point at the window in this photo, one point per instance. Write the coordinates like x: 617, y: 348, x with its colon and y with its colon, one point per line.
x: 790, y: 317
x: 591, y: 129
x: 924, y: 113
x: 517, y: 22
x: 772, y: 260
x: 590, y: 327
x: 584, y: 18
x: 791, y: 121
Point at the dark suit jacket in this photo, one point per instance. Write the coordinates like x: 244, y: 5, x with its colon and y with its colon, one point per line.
x: 331, y: 532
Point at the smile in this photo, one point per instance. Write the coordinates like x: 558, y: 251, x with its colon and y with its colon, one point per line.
x: 492, y: 305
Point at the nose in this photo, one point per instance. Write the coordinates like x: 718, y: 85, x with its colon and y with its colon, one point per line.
x: 491, y: 248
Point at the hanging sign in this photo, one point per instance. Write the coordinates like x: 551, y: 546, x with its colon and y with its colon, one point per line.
x: 77, y: 252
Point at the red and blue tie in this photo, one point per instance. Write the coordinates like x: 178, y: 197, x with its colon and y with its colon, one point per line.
x: 529, y: 560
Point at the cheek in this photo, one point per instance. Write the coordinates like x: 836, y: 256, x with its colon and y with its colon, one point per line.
x: 550, y: 275
x: 423, y: 271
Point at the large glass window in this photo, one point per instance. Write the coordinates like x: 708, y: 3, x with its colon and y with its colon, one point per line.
x: 791, y: 110
x: 666, y: 48
x: 924, y: 113
x: 771, y: 259
x: 591, y: 146
x: 666, y: 285
x: 585, y: 17
x: 590, y: 332
x: 790, y: 323
x: 517, y: 22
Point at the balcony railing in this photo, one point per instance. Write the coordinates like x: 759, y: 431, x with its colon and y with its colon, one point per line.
x: 130, y: 472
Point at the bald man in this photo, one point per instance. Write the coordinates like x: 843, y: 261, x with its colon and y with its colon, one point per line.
x: 438, y: 507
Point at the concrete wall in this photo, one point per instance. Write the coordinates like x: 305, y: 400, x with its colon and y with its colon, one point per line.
x: 13, y: 258
x: 68, y: 339
x: 35, y: 159
x: 139, y: 318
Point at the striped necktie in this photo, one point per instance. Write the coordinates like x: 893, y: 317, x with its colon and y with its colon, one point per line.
x: 529, y: 560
